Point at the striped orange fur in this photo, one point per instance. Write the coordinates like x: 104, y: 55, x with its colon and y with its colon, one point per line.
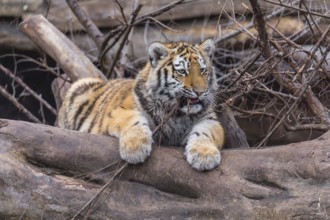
x: 177, y: 84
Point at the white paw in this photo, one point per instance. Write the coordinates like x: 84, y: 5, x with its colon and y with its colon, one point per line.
x: 135, y: 145
x: 203, y: 157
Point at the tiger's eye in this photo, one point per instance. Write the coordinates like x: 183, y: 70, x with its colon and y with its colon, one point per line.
x: 182, y: 72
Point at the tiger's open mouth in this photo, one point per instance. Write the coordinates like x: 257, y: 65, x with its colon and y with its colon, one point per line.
x: 190, y: 101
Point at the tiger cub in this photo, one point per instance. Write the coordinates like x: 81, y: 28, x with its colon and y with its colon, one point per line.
x: 170, y: 102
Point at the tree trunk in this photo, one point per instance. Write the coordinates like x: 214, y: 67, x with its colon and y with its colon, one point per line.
x: 41, y: 164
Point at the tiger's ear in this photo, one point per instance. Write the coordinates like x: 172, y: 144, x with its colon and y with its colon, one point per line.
x: 157, y: 51
x: 207, y: 46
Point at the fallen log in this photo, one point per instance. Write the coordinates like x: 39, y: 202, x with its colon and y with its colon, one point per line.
x: 41, y: 164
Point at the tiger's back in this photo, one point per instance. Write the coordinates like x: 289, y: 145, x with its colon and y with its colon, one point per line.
x: 91, y: 104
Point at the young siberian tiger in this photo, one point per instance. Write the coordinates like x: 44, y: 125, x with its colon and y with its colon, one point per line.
x: 174, y: 93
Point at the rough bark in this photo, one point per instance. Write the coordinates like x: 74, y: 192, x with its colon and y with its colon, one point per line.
x: 59, y: 47
x: 235, y: 136
x: 38, y: 162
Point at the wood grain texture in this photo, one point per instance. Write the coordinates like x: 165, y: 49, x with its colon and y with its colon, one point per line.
x: 282, y: 182
x: 58, y: 46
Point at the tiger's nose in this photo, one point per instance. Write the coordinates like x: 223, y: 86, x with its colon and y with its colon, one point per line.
x: 199, y: 92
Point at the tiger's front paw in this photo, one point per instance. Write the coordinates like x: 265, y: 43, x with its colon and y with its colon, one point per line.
x: 135, y: 145
x: 203, y: 157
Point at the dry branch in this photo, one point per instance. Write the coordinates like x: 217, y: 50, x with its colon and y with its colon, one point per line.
x: 58, y: 46
x: 302, y: 89
x: 126, y: 33
x: 89, y: 26
x: 87, y: 23
x: 18, y: 105
x: 27, y: 88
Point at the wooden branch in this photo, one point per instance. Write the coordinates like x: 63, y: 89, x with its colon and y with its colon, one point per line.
x: 18, y: 105
x: 72, y: 60
x: 122, y: 43
x: 86, y: 22
x: 235, y: 136
x: 301, y: 90
x: 27, y: 88
x: 36, y: 162
x: 90, y: 27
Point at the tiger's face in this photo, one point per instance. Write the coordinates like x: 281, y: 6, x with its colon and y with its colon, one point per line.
x: 182, y: 72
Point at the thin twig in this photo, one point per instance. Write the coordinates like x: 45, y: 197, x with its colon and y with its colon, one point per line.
x: 164, y: 25
x: 296, y: 89
x: 250, y: 63
x: 121, y: 11
x: 18, y: 105
x: 27, y: 88
x: 100, y: 191
x: 89, y: 26
x: 158, y: 11
x: 312, y: 53
x: 124, y: 60
x: 165, y: 119
x: 118, y: 33
x: 129, y: 28
x: 240, y: 30
x: 298, y: 9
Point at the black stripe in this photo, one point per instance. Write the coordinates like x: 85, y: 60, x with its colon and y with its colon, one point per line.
x: 83, y: 88
x: 159, y: 78
x: 166, y: 75
x: 106, y: 96
x: 171, y: 83
x: 196, y: 133
x: 86, y: 114
x: 78, y: 112
x: 168, y: 95
x: 205, y: 134
x: 136, y: 123
x: 109, y: 96
x: 141, y: 99
x: 88, y: 111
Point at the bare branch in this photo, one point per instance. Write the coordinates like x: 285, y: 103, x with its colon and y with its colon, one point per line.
x: 158, y: 11
x: 27, y: 88
x: 18, y: 105
x: 280, y: 3
x: 59, y: 47
x: 105, y: 186
x: 128, y: 30
x: 89, y: 26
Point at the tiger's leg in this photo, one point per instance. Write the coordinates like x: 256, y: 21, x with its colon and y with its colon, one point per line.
x: 203, y: 144
x: 135, y: 136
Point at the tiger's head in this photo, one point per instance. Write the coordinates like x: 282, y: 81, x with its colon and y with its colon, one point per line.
x: 183, y: 72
